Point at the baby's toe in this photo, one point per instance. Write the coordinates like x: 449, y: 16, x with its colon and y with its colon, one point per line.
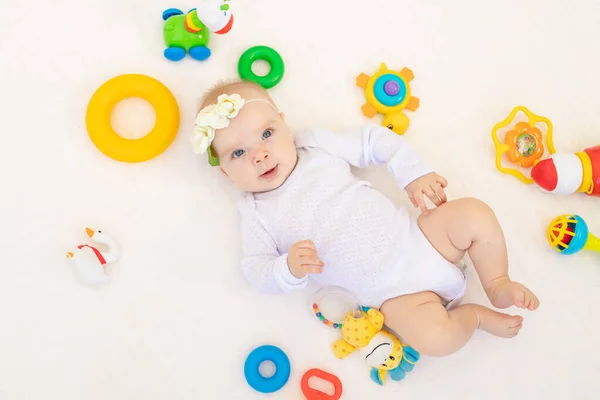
x: 518, y: 322
x: 536, y: 302
x: 519, y: 298
x: 531, y: 301
x: 527, y: 300
x: 514, y: 330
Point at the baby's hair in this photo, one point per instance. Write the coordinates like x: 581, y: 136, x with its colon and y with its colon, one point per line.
x: 226, y: 86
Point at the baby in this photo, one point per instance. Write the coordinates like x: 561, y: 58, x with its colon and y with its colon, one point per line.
x: 304, y: 213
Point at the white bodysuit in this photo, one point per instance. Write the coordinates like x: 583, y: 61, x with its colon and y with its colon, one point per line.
x: 369, y: 246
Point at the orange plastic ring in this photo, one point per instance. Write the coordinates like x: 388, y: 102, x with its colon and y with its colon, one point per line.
x: 314, y: 394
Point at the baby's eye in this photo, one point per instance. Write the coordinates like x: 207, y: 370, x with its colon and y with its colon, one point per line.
x: 267, y: 134
x: 238, y: 153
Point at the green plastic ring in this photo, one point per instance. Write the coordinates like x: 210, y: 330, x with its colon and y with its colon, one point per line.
x: 263, y: 53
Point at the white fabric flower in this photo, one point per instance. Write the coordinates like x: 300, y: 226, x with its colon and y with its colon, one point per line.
x: 210, y: 117
x: 229, y: 106
x: 201, y: 138
x: 213, y: 117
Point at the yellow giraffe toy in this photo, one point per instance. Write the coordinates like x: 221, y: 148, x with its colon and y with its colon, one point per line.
x: 363, y: 331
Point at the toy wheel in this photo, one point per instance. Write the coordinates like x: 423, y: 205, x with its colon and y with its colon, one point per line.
x: 171, y: 12
x: 200, y: 53
x: 174, y: 53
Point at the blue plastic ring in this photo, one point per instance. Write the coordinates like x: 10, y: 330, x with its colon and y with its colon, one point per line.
x: 383, y: 97
x: 257, y: 357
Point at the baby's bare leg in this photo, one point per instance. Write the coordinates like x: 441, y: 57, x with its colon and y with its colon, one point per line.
x: 423, y: 323
x: 470, y: 225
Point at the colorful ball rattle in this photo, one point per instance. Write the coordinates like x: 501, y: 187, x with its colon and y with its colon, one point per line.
x: 569, y: 234
x: 349, y: 303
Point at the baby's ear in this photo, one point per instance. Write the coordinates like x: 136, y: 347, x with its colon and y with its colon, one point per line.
x: 282, y: 115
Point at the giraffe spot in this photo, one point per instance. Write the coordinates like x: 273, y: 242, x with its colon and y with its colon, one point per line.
x: 335, y: 346
x: 366, y: 328
x: 343, y: 350
x: 366, y: 337
x: 355, y: 329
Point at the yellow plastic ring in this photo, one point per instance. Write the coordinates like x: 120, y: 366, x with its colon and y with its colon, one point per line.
x: 120, y: 88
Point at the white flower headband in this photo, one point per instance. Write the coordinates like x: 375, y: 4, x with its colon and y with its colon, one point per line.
x: 213, y: 117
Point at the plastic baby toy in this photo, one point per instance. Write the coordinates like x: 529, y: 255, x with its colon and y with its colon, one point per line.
x: 383, y: 351
x: 567, y: 173
x: 362, y: 331
x: 569, y: 234
x: 525, y: 145
x: 313, y: 394
x: 190, y: 33
x: 388, y: 92
x: 90, y: 262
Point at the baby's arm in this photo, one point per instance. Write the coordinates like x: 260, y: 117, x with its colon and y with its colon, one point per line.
x: 371, y: 144
x: 375, y: 144
x: 262, y: 264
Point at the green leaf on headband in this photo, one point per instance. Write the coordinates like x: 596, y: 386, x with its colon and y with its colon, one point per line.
x: 212, y: 159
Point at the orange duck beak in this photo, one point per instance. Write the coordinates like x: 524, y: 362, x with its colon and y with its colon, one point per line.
x: 89, y: 232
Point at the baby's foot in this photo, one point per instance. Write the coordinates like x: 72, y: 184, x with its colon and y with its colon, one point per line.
x: 498, y: 324
x: 504, y: 293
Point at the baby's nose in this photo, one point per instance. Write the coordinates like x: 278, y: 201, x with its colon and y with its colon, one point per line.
x: 260, y: 156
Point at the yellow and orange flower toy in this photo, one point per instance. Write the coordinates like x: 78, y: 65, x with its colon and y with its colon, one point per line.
x: 528, y: 144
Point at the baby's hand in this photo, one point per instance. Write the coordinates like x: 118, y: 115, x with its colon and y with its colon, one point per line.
x: 303, y: 259
x: 432, y: 185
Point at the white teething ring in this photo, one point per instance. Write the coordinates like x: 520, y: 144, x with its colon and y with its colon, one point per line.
x: 333, y: 291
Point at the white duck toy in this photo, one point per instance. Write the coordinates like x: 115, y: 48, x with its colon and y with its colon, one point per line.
x: 90, y: 262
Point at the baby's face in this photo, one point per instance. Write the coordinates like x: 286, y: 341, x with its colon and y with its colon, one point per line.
x: 256, y: 151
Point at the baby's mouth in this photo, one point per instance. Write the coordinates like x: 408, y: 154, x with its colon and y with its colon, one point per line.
x: 270, y: 174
